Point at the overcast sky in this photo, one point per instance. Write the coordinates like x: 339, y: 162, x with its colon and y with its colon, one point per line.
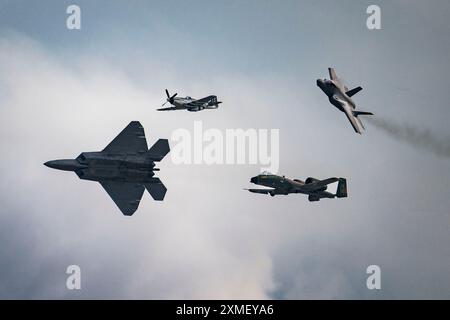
x: 63, y: 92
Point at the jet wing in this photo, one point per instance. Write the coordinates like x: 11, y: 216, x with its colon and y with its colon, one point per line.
x: 130, y: 140
x: 332, y: 74
x: 318, y: 184
x: 353, y: 120
x: 126, y: 195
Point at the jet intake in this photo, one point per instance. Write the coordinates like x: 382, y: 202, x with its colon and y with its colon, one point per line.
x: 311, y: 180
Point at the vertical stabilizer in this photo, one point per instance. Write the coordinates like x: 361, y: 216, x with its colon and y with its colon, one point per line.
x: 341, y: 191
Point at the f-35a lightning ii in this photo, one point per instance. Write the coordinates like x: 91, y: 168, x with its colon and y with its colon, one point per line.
x: 190, y: 104
x: 340, y: 97
x: 124, y: 168
x: 314, y: 188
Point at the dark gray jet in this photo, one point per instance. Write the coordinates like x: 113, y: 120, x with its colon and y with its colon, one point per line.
x: 314, y: 188
x: 124, y: 168
x: 190, y: 104
x: 340, y: 97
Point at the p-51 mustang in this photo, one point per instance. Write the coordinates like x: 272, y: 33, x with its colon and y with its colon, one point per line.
x: 190, y: 104
x: 339, y: 96
x: 314, y: 188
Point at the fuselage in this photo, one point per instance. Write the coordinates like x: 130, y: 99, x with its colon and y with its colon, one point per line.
x: 281, y: 184
x: 99, y: 166
x: 183, y: 102
x: 335, y: 92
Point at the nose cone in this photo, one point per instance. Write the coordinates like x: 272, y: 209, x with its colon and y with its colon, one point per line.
x: 254, y: 180
x: 51, y: 164
x: 319, y: 82
x: 67, y: 165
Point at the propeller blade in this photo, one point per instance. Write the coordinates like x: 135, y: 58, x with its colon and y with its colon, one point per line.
x: 171, y: 98
x: 164, y: 104
x: 167, y: 93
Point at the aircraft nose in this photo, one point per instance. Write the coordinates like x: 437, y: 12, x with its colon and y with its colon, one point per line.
x: 254, y: 180
x: 67, y: 165
x: 50, y: 164
x: 319, y: 82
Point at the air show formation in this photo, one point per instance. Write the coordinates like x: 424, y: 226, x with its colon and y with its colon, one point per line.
x: 126, y: 167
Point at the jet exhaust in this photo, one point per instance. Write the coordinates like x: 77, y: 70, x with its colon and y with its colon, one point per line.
x: 421, y: 139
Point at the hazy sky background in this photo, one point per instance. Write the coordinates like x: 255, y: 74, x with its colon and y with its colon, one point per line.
x: 63, y: 92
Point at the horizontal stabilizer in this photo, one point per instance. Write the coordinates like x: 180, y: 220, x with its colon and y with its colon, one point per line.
x: 159, y: 150
x: 354, y: 91
x: 157, y: 190
x: 362, y: 113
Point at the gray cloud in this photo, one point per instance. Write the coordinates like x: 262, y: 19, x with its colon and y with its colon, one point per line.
x: 62, y: 93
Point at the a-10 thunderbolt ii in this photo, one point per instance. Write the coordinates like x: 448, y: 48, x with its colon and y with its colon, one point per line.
x: 340, y: 97
x: 314, y: 188
x: 124, y: 168
x: 190, y: 104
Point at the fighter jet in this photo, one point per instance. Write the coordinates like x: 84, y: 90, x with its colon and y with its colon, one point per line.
x: 340, y: 97
x: 314, y: 188
x: 190, y: 104
x: 124, y: 168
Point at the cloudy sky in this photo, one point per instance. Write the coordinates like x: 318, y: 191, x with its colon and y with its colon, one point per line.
x: 66, y: 91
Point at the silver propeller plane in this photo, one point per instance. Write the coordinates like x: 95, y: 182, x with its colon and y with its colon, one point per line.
x: 340, y: 97
x: 190, y: 104
x: 314, y: 188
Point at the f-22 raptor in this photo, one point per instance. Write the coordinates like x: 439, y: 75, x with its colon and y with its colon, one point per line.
x: 314, y: 188
x: 124, y: 168
x: 190, y: 104
x: 339, y: 96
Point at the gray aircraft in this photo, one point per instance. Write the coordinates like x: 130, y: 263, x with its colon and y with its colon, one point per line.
x: 124, y: 168
x: 314, y: 188
x: 340, y: 97
x: 190, y: 104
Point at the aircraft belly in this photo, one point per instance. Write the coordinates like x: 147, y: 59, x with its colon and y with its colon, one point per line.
x: 337, y: 103
x: 116, y: 174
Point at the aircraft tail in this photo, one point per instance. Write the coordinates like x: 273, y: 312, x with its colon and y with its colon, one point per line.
x: 159, y: 150
x: 341, y: 191
x: 156, y: 189
x: 362, y: 113
x: 359, y: 113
